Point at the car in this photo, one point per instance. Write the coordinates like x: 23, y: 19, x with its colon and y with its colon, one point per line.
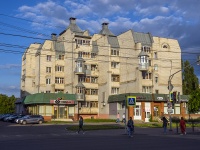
x: 14, y: 117
x: 31, y: 119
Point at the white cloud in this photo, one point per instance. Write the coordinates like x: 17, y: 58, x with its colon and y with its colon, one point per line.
x: 10, y: 66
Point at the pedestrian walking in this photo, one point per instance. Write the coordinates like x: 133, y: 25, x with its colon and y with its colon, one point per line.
x: 118, y: 118
x: 130, y: 126
x: 123, y: 118
x: 182, y: 126
x: 165, y: 122
x: 80, y: 125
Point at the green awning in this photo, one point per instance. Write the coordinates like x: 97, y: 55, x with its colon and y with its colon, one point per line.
x: 144, y: 97
x: 44, y: 98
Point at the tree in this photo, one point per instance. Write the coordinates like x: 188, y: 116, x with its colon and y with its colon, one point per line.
x: 190, y: 80
x: 194, y: 101
x: 7, y: 104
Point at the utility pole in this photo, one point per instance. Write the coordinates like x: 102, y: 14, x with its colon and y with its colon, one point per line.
x: 170, y: 87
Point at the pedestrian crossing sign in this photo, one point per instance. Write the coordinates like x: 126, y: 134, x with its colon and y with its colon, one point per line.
x: 131, y: 100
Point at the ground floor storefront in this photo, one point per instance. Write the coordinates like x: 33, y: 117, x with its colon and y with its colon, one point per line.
x: 148, y: 107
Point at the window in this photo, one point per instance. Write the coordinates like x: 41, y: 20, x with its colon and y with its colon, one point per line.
x: 165, y: 46
x: 93, y: 55
x: 155, y: 55
x: 59, y: 90
x: 146, y: 49
x: 114, y: 64
x: 59, y: 68
x: 93, y: 67
x: 146, y: 89
x: 48, y: 57
x: 156, y: 79
x: 137, y: 110
x: 115, y: 78
x: 61, y: 57
x: 48, y: 81
x: 59, y: 80
x: 84, y: 54
x: 48, y: 69
x: 146, y: 75
x: 114, y: 52
x: 93, y: 104
x: 48, y: 91
x: 115, y: 90
x: 157, y: 91
x: 149, y: 62
x: 91, y: 91
x: 156, y: 67
x: 82, y: 42
x: 88, y: 79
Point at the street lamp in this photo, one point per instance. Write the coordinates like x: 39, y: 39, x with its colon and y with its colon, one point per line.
x: 170, y: 87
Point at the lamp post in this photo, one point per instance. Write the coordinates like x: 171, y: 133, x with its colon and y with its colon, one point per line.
x: 170, y: 87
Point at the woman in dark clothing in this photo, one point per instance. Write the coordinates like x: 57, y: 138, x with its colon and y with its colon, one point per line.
x: 80, y: 125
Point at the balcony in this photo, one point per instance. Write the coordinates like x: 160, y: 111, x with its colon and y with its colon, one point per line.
x: 86, y: 110
x: 80, y: 96
x: 143, y: 66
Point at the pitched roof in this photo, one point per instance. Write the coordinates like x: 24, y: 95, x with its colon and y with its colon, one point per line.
x: 144, y: 38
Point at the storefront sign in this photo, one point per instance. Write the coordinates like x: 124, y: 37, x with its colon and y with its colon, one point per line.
x: 160, y: 98
x: 140, y: 97
x: 62, y: 102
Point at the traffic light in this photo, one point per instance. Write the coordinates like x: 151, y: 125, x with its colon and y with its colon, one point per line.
x: 174, y: 97
x: 171, y: 96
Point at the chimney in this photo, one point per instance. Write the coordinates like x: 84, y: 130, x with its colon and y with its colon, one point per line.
x: 53, y: 36
x: 72, y: 20
x: 105, y: 25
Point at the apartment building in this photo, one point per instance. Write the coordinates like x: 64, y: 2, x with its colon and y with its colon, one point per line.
x: 95, y: 67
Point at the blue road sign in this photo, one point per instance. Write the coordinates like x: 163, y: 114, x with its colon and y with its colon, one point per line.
x: 131, y: 100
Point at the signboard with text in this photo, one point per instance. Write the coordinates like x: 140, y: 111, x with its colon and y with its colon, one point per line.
x: 62, y: 102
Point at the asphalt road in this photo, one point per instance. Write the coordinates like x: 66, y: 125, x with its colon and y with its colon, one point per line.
x: 55, y: 137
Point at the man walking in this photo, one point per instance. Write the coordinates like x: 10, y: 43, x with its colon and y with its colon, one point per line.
x: 130, y: 126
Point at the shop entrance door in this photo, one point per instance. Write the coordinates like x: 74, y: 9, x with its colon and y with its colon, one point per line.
x: 60, y: 112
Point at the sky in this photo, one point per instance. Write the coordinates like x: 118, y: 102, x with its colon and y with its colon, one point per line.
x: 23, y: 22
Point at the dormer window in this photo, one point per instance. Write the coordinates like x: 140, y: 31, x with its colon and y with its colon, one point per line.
x: 165, y: 46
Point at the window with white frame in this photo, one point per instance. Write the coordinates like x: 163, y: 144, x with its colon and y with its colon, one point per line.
x: 84, y: 54
x: 48, y: 81
x: 59, y: 68
x: 146, y: 49
x: 114, y: 90
x: 91, y: 91
x: 114, y: 64
x: 59, y: 80
x: 115, y: 52
x: 48, y: 57
x: 137, y: 110
x: 146, y: 89
x: 48, y: 69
